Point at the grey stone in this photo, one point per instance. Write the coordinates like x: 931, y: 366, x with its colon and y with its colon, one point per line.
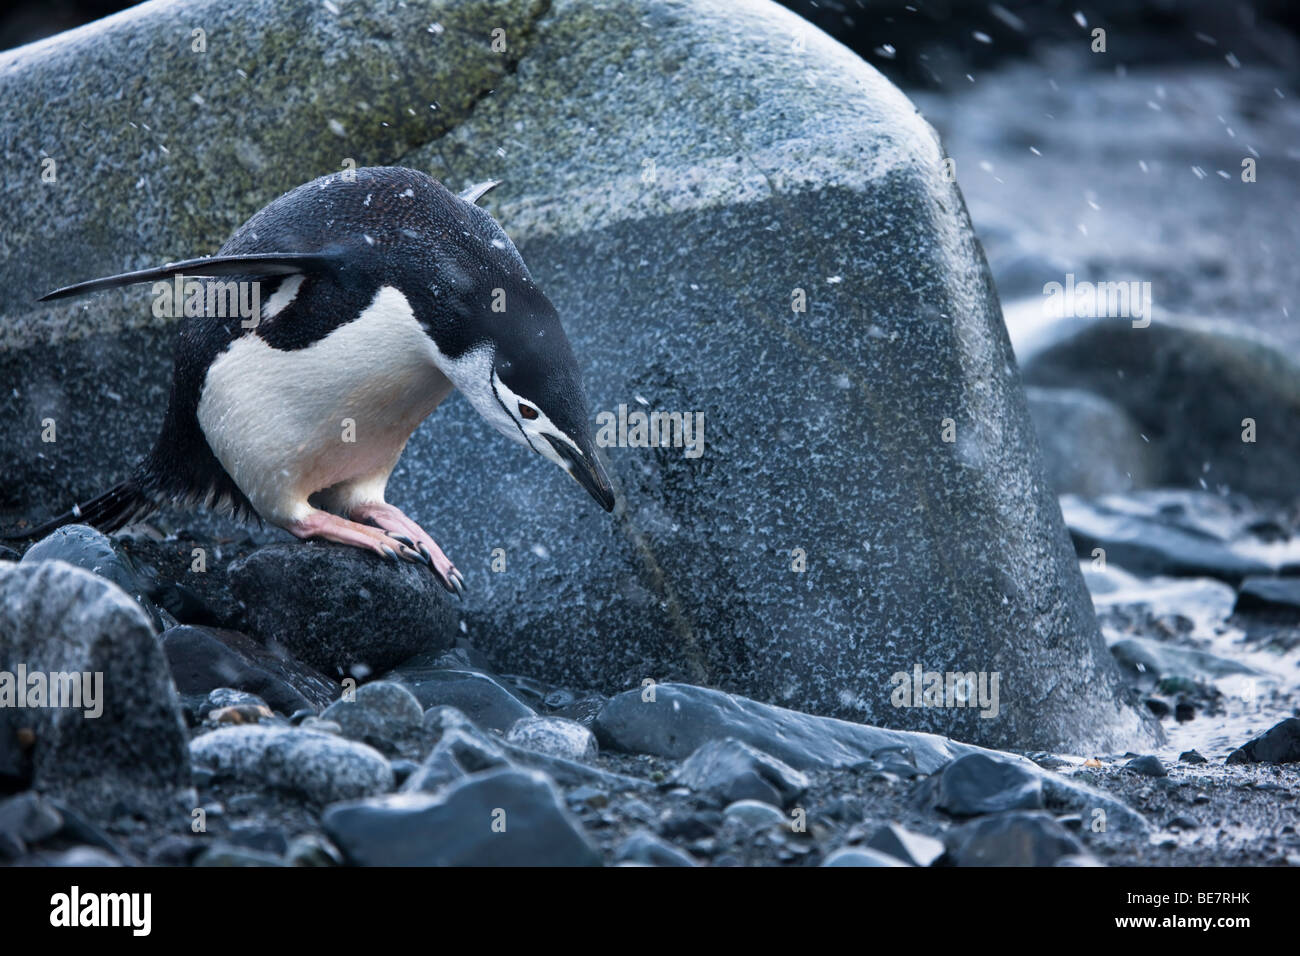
x: 915, y: 849
x: 501, y: 818
x: 26, y: 818
x: 460, y: 751
x: 220, y: 698
x: 683, y: 718
x: 767, y: 179
x: 88, y: 549
x: 131, y: 757
x: 340, y: 609
x: 177, y: 849
x: 1019, y: 838
x: 729, y: 770
x: 573, y: 773
x: 861, y: 856
x: 1154, y: 544
x: 1189, y: 384
x: 555, y: 736
x: 441, y: 718
x: 265, y: 839
x: 1148, y: 766
x: 648, y: 849
x: 1148, y: 661
x: 435, y: 772
x: 755, y: 814
x: 1275, y: 595
x: 1090, y: 445
x: 384, y: 715
x: 80, y: 856
x: 313, y: 766
x: 312, y: 849
x: 1279, y: 744
x: 1063, y: 793
x: 228, y: 854
x: 976, y: 784
x: 204, y: 658
x: 477, y: 696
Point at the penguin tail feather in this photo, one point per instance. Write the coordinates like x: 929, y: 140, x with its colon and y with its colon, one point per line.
x: 120, y: 505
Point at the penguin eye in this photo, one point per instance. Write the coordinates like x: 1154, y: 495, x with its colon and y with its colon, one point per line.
x: 527, y: 411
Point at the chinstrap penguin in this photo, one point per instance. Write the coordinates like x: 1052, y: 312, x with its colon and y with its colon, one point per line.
x: 381, y: 292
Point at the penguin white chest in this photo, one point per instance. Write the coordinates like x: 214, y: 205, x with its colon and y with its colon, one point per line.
x: 286, y: 424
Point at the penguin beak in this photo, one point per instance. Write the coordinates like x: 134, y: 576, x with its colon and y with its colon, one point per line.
x: 588, y: 471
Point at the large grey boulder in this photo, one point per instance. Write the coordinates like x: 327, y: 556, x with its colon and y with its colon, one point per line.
x: 120, y: 748
x: 680, y: 176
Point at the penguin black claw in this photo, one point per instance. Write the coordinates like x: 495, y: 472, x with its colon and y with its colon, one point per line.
x: 402, y: 539
x: 455, y: 584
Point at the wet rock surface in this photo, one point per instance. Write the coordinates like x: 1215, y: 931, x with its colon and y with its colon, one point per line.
x: 202, y: 659
x: 728, y: 770
x: 978, y: 784
x: 499, y: 818
x: 1279, y: 744
x: 421, y: 786
x: 1018, y: 838
x: 85, y: 548
x: 340, y: 609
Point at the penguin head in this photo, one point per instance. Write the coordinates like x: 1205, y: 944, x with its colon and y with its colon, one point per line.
x: 536, y: 399
x: 517, y: 368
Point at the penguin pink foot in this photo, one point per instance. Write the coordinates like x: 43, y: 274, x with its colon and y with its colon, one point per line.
x: 330, y: 527
x: 405, y: 531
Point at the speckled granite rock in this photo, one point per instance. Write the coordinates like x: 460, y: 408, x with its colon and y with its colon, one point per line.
x: 315, y: 766
x: 671, y: 241
x: 123, y: 752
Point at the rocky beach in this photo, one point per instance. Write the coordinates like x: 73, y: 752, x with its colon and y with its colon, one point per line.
x: 953, y: 580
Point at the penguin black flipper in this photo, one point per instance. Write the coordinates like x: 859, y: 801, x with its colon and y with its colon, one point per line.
x: 260, y: 264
